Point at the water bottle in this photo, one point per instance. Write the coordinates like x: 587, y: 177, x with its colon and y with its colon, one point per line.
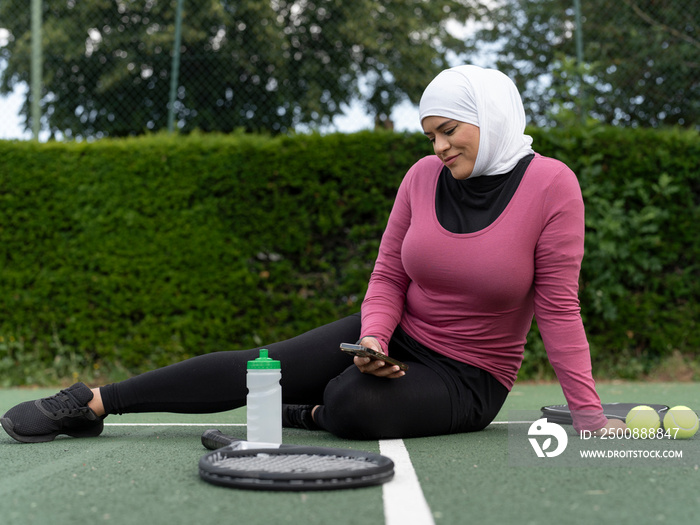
x: 264, y: 399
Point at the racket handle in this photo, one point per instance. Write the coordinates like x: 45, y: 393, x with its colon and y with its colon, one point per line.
x: 213, y: 439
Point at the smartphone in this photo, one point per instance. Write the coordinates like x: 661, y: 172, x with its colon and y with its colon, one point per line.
x: 363, y: 351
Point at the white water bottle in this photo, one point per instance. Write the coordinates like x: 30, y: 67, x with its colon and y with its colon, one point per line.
x: 264, y: 399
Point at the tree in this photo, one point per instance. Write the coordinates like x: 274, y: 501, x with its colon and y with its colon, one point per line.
x: 252, y: 64
x: 641, y: 58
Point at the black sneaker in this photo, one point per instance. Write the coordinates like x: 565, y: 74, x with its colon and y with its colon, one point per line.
x: 44, y: 419
x: 298, y: 416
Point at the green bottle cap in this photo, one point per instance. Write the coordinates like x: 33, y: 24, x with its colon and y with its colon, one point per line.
x: 263, y: 362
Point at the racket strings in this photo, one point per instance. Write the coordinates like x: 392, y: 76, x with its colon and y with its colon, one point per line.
x: 290, y: 463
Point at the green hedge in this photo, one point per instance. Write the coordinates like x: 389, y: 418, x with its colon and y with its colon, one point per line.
x: 139, y: 252
x: 639, y: 279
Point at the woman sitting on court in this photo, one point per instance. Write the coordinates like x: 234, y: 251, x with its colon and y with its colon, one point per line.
x: 483, y: 235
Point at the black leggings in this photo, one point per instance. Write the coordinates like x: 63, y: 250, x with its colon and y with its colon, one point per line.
x: 436, y: 396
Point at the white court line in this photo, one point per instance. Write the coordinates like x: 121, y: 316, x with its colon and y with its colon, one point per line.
x: 404, y: 502
x: 243, y: 424
x: 212, y: 425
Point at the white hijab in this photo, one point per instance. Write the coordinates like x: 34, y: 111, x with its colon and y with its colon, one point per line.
x: 488, y: 99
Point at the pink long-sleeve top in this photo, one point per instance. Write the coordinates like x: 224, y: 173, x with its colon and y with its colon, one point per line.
x: 472, y: 296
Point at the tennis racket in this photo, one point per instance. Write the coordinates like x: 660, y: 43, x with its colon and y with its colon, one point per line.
x: 266, y: 466
x: 562, y: 415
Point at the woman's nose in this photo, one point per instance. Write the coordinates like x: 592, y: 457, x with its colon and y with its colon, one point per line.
x: 440, y: 144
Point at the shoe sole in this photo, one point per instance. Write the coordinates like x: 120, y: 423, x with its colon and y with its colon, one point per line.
x: 45, y: 438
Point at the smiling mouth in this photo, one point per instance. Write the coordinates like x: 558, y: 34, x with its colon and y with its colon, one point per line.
x: 449, y: 160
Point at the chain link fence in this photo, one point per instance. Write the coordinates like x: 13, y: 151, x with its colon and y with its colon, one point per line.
x: 99, y: 68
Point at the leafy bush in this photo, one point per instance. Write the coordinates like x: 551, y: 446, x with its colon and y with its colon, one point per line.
x: 121, y: 255
x: 639, y: 279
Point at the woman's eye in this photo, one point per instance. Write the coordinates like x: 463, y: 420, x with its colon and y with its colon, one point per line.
x: 450, y: 131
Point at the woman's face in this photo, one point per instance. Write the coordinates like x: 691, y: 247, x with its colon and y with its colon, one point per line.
x: 455, y: 142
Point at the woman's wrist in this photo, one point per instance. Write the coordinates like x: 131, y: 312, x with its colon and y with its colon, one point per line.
x: 372, y: 341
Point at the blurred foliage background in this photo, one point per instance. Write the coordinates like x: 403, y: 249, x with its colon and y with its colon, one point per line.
x: 126, y: 67
x: 124, y: 254
x: 189, y: 191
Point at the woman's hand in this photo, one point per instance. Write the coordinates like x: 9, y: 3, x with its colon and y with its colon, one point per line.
x: 374, y: 366
x: 611, y: 426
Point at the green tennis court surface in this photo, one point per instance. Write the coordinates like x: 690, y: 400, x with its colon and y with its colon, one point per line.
x: 143, y: 469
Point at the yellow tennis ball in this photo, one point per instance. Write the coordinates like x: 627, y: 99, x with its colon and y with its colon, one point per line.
x: 644, y: 419
x: 681, y: 422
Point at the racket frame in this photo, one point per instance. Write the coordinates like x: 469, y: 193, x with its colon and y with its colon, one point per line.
x: 380, y: 468
x: 561, y: 414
